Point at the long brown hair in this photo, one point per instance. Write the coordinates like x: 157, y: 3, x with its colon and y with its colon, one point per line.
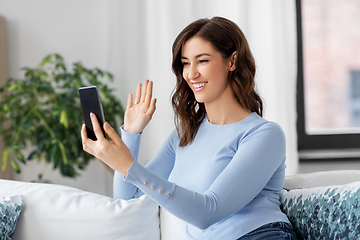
x: 226, y: 37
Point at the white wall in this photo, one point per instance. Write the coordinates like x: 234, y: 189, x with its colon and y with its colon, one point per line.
x: 75, y: 29
x: 78, y: 31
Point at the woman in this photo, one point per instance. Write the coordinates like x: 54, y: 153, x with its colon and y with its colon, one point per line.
x: 222, y: 170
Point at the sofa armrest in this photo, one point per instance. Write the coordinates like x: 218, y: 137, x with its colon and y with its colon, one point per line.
x: 321, y: 179
x: 59, y: 212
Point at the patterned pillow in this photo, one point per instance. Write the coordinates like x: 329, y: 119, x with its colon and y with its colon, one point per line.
x: 331, y: 212
x: 10, y: 209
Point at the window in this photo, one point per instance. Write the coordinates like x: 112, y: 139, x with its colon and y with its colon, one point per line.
x: 355, y: 98
x: 328, y: 79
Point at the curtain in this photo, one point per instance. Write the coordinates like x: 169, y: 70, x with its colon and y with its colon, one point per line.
x: 141, y: 34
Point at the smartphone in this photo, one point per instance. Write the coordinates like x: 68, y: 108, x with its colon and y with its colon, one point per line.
x: 91, y: 102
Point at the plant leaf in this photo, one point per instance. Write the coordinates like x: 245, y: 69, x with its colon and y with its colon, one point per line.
x: 15, y: 166
x: 32, y: 155
x: 5, y: 158
x: 20, y: 156
x: 63, y: 153
x: 14, y: 87
x: 64, y: 119
x: 46, y: 60
x: 52, y: 154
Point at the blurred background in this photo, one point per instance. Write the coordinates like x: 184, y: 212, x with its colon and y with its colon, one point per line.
x: 133, y: 40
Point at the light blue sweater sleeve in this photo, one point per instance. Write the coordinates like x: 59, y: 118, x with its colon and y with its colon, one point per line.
x: 161, y: 164
x: 259, y: 153
x: 122, y: 189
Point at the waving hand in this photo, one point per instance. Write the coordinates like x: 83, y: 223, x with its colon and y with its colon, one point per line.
x: 139, y: 113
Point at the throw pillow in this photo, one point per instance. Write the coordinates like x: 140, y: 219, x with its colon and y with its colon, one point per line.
x: 331, y: 212
x: 10, y: 209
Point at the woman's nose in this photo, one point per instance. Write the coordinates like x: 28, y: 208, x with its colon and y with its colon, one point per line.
x: 193, y: 73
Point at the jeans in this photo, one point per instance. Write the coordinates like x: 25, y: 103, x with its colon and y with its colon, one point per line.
x: 271, y: 231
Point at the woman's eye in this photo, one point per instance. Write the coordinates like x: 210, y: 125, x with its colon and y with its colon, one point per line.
x: 203, y: 61
x: 185, y: 63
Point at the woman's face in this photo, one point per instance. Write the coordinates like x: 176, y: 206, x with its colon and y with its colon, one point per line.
x: 205, y: 70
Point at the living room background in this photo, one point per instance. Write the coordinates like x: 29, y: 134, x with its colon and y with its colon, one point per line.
x: 132, y: 39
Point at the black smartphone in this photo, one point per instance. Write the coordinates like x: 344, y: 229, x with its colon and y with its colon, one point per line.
x: 91, y: 102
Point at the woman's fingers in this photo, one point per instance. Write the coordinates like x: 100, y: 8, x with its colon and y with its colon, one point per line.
x: 96, y: 127
x: 138, y: 93
x: 129, y: 101
x: 115, y: 154
x: 148, y: 94
x: 144, y: 90
x: 83, y: 132
x: 143, y: 94
x: 152, y: 107
x: 85, y: 140
x: 112, y: 134
x: 139, y: 113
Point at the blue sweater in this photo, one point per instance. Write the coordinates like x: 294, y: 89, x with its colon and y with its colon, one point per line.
x: 224, y: 184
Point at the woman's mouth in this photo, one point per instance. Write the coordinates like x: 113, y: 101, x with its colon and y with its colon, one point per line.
x: 199, y: 86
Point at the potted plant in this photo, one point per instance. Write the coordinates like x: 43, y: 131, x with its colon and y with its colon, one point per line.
x: 43, y: 112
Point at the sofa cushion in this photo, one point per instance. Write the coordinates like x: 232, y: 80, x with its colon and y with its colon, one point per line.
x: 10, y: 209
x: 331, y: 212
x: 172, y: 228
x: 58, y: 212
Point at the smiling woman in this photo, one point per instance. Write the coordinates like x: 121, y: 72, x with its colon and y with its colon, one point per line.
x: 224, y: 173
x: 207, y: 71
x: 212, y: 49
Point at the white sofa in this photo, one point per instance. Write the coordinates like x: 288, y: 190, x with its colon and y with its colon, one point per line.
x: 59, y: 212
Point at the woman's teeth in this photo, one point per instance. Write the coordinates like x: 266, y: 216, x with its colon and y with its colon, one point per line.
x: 199, y: 85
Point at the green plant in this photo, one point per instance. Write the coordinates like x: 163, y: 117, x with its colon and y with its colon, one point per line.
x: 43, y: 110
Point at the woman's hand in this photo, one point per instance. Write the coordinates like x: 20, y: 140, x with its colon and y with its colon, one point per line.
x: 139, y: 114
x: 115, y: 154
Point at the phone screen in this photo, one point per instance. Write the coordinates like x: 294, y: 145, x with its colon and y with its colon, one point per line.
x: 91, y: 102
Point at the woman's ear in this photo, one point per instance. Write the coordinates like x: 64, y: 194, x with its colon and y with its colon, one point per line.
x: 233, y: 61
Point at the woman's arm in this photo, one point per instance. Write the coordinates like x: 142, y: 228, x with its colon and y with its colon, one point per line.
x: 122, y: 189
x: 257, y: 159
x: 161, y: 164
x: 137, y: 116
x: 258, y: 156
